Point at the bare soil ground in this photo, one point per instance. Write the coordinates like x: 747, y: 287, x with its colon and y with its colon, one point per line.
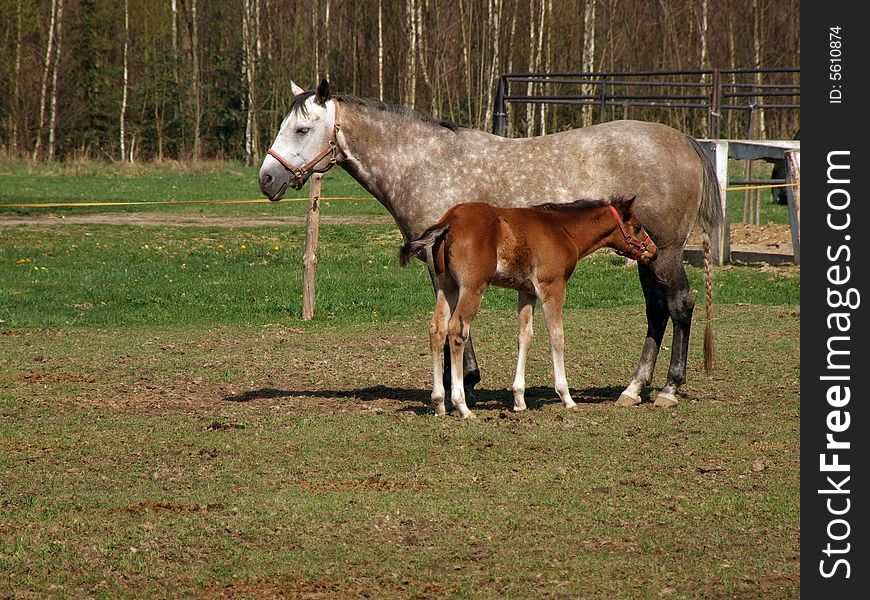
x: 775, y: 235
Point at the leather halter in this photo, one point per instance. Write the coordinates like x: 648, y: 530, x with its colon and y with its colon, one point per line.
x: 637, y: 248
x: 332, y: 147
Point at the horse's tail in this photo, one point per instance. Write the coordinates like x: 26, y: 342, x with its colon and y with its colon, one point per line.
x: 710, y: 217
x: 414, y: 248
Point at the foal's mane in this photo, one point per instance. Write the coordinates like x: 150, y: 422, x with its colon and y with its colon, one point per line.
x: 582, y: 203
x: 299, y: 104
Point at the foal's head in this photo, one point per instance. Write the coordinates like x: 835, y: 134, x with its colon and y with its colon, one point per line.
x: 631, y: 238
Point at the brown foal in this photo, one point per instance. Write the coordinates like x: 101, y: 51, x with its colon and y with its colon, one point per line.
x: 531, y: 250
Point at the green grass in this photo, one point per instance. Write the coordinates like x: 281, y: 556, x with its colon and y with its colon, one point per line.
x: 170, y: 428
x: 112, y: 276
x: 162, y: 182
x: 261, y: 461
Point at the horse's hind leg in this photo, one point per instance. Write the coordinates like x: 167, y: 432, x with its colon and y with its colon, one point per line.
x: 470, y: 370
x: 437, y: 339
x: 458, y: 331
x: 525, y: 314
x: 657, y: 319
x: 681, y: 303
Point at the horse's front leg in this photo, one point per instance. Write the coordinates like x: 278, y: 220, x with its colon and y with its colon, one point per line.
x: 657, y: 320
x: 553, y: 302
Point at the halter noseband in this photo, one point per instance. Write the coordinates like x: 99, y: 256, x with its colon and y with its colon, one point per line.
x: 637, y: 248
x: 332, y: 147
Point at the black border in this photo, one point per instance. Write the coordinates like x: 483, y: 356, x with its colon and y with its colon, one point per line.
x: 827, y: 127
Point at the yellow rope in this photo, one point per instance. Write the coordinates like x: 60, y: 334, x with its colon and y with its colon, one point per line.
x: 759, y: 187
x: 152, y: 202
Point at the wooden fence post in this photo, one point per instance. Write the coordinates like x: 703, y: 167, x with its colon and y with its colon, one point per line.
x: 309, y: 260
x: 793, y: 193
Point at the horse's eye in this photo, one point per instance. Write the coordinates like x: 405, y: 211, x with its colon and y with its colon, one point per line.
x: 302, y: 130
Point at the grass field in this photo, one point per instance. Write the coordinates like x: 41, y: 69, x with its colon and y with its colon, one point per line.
x: 170, y: 428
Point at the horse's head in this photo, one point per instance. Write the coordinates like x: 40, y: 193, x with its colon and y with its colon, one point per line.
x: 636, y: 242
x: 306, y: 143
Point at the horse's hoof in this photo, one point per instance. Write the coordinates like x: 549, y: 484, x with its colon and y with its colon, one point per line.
x: 665, y: 401
x: 626, y: 400
x: 470, y: 398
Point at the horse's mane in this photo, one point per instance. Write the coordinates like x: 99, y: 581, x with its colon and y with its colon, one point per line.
x: 299, y: 104
x: 582, y: 203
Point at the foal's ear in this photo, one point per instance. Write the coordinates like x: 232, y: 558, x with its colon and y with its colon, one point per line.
x: 322, y: 94
x: 625, y: 207
x: 295, y: 88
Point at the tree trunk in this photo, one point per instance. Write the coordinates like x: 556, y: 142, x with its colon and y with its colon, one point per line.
x: 126, y: 78
x: 174, y: 7
x: 588, y: 60
x: 197, y: 92
x: 530, y: 112
x: 326, y: 45
x: 703, y: 60
x: 494, y: 13
x: 53, y: 118
x: 16, y: 98
x: 757, y: 58
x: 48, y: 52
x: 411, y: 57
x: 250, y: 43
x: 380, y: 50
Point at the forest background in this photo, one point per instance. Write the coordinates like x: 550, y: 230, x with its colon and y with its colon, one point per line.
x: 141, y: 80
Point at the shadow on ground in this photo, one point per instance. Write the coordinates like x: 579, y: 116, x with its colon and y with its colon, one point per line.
x: 536, y: 397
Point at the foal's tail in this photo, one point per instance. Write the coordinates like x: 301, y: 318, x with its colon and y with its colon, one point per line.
x: 414, y: 248
x: 710, y: 217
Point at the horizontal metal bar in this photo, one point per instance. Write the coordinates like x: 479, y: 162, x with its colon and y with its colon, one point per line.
x: 760, y: 95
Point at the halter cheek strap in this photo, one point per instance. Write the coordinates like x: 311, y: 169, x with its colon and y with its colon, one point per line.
x: 332, y: 147
x: 637, y: 248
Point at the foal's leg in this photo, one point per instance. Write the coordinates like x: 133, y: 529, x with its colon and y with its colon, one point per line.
x: 470, y: 369
x: 458, y: 330
x: 553, y: 302
x: 657, y: 320
x: 681, y: 303
x: 525, y: 314
x: 437, y: 339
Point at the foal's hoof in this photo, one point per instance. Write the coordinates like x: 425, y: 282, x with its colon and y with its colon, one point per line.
x: 625, y: 400
x: 665, y: 401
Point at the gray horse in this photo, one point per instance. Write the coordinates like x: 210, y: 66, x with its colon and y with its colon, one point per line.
x: 418, y: 167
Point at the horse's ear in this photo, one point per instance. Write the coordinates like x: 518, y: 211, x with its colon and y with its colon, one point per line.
x: 624, y: 207
x: 295, y: 88
x: 322, y: 94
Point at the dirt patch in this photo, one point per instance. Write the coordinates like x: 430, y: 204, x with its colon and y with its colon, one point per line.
x: 45, y: 377
x: 160, y: 220
x: 372, y: 483
x: 774, y: 235
x: 165, y: 507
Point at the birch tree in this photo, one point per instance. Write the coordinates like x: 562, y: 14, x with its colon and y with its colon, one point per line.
x: 52, y: 121
x: 49, y: 47
x: 16, y: 96
x: 250, y: 44
x: 588, y: 59
x: 380, y: 50
x: 123, y: 116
